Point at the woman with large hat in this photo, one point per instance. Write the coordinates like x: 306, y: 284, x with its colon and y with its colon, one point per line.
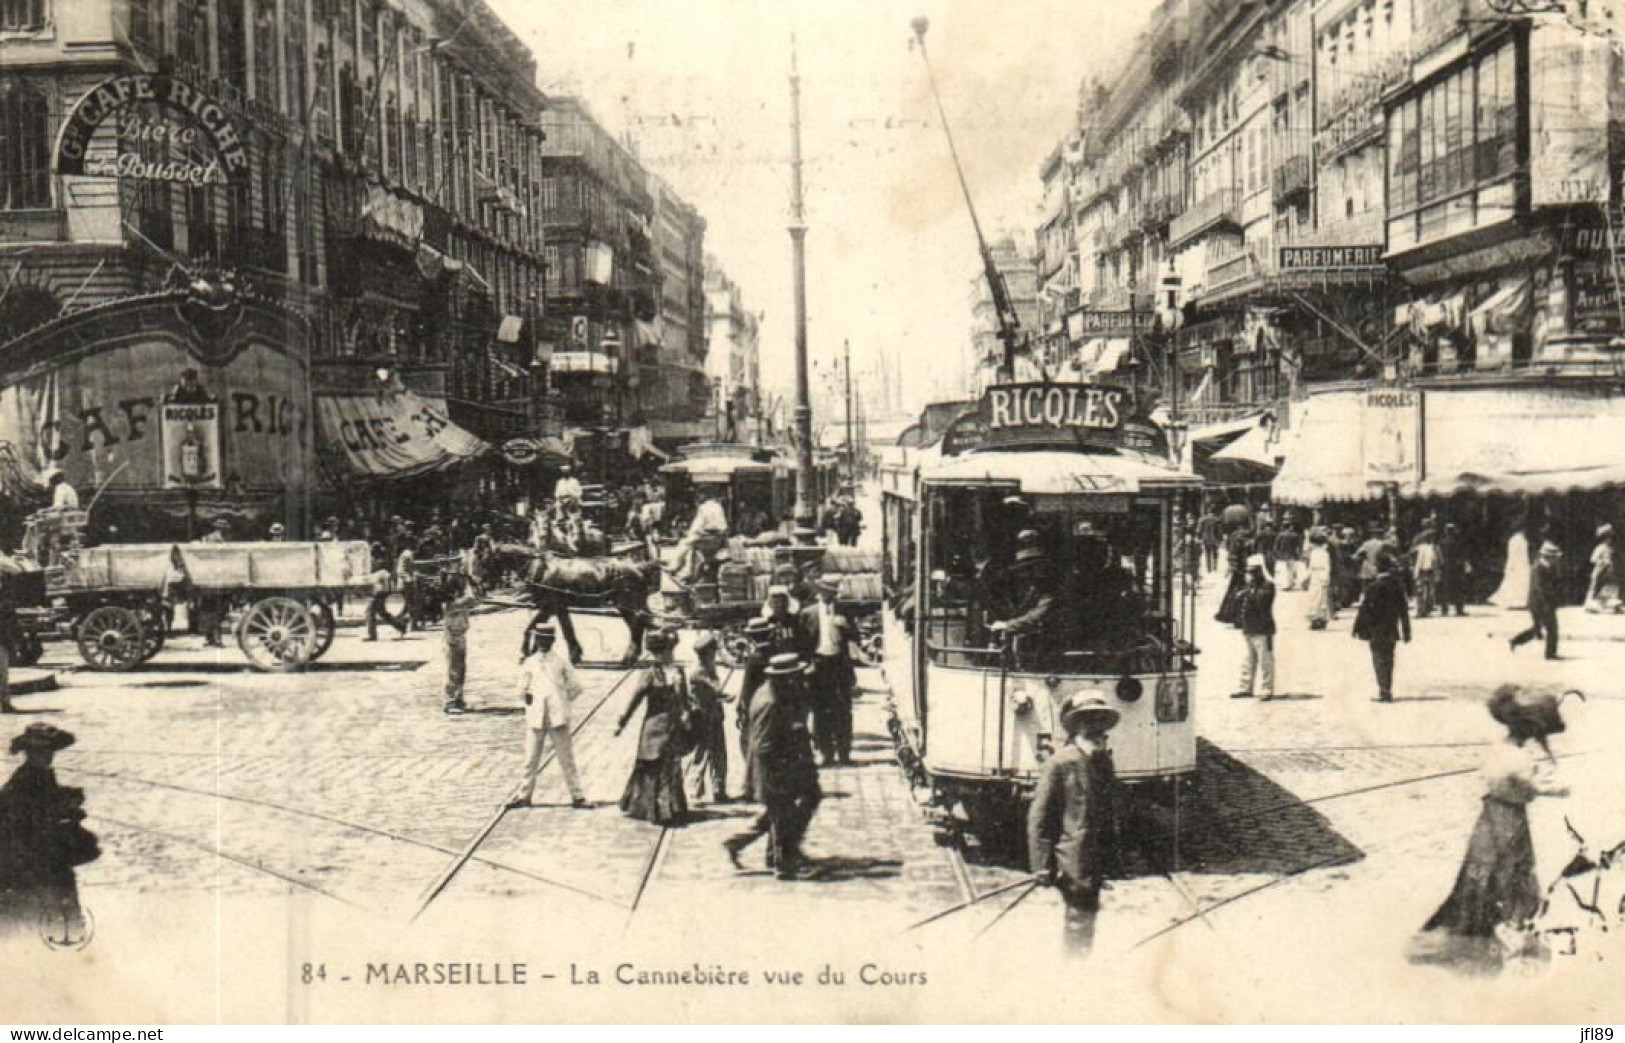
x: 41, y: 839
x: 1497, y: 886
x: 654, y: 793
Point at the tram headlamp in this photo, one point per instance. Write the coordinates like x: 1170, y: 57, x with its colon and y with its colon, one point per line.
x: 1129, y: 689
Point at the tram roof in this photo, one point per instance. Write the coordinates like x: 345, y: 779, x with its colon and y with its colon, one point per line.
x: 1046, y: 472
x: 717, y: 468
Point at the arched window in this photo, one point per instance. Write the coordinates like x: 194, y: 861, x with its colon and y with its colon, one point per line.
x: 25, y: 148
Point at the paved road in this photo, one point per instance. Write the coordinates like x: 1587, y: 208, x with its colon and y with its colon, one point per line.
x: 347, y: 786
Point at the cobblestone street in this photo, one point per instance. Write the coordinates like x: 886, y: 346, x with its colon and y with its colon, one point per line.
x: 215, y: 788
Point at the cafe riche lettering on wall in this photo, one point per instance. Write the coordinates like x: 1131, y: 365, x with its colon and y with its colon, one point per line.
x: 157, y: 116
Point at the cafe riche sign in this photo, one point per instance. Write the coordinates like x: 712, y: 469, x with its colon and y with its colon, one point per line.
x: 166, y: 130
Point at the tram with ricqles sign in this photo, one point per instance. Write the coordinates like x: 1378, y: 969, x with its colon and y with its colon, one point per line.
x: 1059, y: 498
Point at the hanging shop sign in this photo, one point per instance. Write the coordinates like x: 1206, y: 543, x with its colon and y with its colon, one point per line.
x: 1391, y: 436
x: 190, y: 453
x: 155, y: 114
x: 521, y: 451
x: 1329, y: 258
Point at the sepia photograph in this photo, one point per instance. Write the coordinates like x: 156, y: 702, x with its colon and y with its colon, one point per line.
x: 760, y: 512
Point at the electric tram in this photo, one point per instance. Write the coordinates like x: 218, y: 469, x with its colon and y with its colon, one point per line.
x: 1063, y: 490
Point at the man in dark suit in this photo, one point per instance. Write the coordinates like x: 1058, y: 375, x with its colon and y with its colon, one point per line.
x: 1543, y: 587
x: 1383, y: 621
x: 783, y: 775
x: 826, y: 637
x: 761, y: 634
x: 1072, y: 830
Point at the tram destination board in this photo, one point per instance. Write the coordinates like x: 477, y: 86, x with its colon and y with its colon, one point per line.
x: 1093, y: 416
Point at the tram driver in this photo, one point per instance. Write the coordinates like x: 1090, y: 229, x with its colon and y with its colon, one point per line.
x: 1038, y: 624
x: 1110, y: 605
x: 706, y: 535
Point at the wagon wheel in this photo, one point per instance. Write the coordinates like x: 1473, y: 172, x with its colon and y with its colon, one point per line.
x: 326, y: 627
x: 112, y: 637
x: 155, y: 623
x: 277, y: 634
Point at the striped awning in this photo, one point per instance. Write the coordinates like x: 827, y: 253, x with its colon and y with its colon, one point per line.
x: 393, y: 435
x: 1324, y: 461
x: 1524, y: 440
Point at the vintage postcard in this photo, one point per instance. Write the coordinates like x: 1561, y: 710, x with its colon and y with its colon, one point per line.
x: 761, y: 511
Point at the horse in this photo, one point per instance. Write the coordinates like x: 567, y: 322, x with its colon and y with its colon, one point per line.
x: 557, y: 583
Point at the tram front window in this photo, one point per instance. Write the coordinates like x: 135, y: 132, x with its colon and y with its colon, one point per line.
x: 1047, y: 584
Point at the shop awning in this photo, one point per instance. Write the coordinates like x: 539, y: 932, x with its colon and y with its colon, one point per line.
x: 394, y: 435
x: 1225, y: 431
x: 1258, y: 446
x: 1523, y: 440
x: 1323, y: 453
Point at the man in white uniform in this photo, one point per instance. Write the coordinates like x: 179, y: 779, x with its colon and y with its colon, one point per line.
x: 547, y: 684
x: 568, y: 485
x: 705, y: 534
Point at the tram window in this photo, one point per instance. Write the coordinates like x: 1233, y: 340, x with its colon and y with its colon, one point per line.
x: 1088, y: 592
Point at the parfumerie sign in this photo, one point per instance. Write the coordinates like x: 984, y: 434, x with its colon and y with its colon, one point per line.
x: 1322, y: 258
x: 199, y: 125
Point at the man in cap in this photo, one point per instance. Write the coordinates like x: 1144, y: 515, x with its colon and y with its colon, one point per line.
x: 784, y: 777
x: 64, y: 497
x: 848, y: 519
x: 1543, y: 599
x: 1036, y: 607
x: 706, y: 534
x: 1453, y: 570
x: 456, y: 615
x: 278, y: 532
x: 1255, y: 616
x: 568, y: 486
x: 547, y: 686
x: 1072, y: 824
x: 827, y: 644
x: 1383, y: 621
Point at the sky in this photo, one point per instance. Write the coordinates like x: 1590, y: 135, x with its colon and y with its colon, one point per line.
x: 703, y: 87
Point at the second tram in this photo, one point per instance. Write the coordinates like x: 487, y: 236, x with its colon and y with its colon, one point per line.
x: 1055, y: 505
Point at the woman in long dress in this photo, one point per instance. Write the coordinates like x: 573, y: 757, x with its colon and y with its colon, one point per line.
x: 1514, y: 589
x: 42, y: 839
x: 654, y: 793
x: 1321, y: 608
x: 1497, y: 886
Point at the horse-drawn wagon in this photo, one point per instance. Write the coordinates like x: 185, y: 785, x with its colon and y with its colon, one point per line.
x: 733, y: 588
x: 115, y: 600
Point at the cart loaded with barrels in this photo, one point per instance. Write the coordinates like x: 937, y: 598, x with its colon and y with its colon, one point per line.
x: 734, y: 585
x: 115, y: 601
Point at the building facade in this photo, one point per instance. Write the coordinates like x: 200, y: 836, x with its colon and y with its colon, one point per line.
x: 673, y: 388
x: 1394, y: 225
x: 733, y: 360
x: 1013, y: 258
x: 327, y: 208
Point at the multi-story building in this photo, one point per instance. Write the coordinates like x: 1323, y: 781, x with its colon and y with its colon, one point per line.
x: 733, y: 348
x: 1395, y: 217
x: 603, y: 277
x: 673, y: 391
x: 324, y: 207
x: 1013, y: 258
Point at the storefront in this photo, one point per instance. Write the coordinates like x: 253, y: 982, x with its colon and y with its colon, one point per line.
x: 165, y: 412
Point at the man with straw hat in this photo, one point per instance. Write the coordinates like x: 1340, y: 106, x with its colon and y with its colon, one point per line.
x: 827, y: 634
x: 1072, y: 824
x: 1543, y: 594
x: 547, y: 686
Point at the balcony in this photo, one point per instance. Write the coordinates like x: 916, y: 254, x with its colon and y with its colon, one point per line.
x: 1291, y: 178
x: 1213, y: 210
x: 1157, y: 211
x: 1232, y: 274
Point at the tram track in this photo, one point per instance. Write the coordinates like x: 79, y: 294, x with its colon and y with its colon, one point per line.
x: 438, y: 886
x: 306, y: 813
